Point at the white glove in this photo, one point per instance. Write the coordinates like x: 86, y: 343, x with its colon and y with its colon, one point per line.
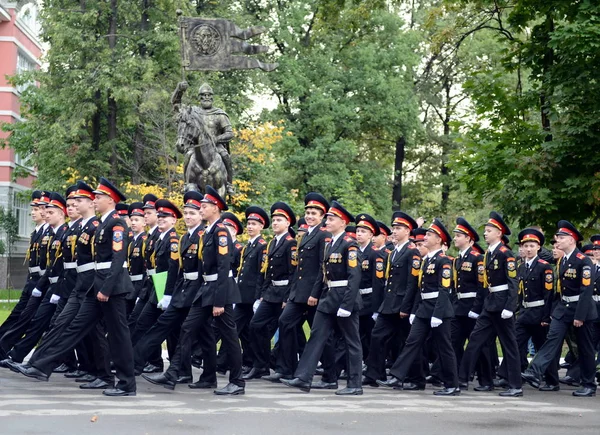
x: 506, y: 314
x: 375, y: 316
x: 137, y: 300
x: 36, y: 293
x: 255, y: 306
x: 473, y: 315
x: 435, y: 322
x: 54, y: 299
x: 343, y: 313
x: 411, y: 318
x: 164, y: 302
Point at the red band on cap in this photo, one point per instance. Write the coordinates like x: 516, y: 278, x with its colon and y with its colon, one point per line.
x: 193, y: 202
x: 303, y: 227
x: 315, y: 204
x: 569, y: 232
x: 167, y: 210
x: 439, y: 232
x: 150, y: 203
x: 281, y: 212
x: 81, y: 192
x: 419, y: 237
x: 212, y: 199
x: 334, y: 211
x: 596, y: 242
x: 108, y: 191
x: 58, y: 204
x: 464, y: 230
x: 531, y: 238
x: 366, y: 224
x: 402, y: 221
x: 257, y: 217
x: 231, y: 224
x: 496, y: 224
x: 137, y: 210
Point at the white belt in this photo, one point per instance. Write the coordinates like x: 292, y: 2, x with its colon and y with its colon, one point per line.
x: 135, y: 278
x: 34, y: 269
x: 281, y: 282
x: 106, y: 265
x: 341, y: 283
x: 533, y: 304
x: 53, y: 279
x: 499, y: 288
x: 596, y: 298
x: 191, y: 276
x: 42, y: 272
x: 366, y: 291
x: 71, y: 265
x: 570, y: 298
x: 214, y: 277
x: 466, y: 295
x: 151, y: 272
x: 86, y: 267
x: 430, y: 295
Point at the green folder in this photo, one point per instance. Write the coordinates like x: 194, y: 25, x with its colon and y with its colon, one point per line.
x: 160, y: 282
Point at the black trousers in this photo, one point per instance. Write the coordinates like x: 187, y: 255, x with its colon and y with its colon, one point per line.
x: 389, y: 328
x: 135, y: 314
x: 261, y: 332
x: 413, y: 351
x: 15, y: 333
x: 321, y: 335
x: 547, y: 357
x: 242, y: 315
x: 18, y: 308
x: 488, y: 324
x: 365, y: 329
x: 168, y: 322
x: 198, y: 325
x: 38, y: 325
x: 114, y: 313
x: 524, y: 332
x: 575, y: 370
x: 147, y: 318
x: 292, y: 318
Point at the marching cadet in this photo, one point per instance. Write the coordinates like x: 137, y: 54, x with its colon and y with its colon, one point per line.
x: 302, y: 229
x: 432, y: 312
x: 380, y: 254
x: 595, y: 239
x: 536, y: 284
x: 401, y: 272
x: 105, y: 300
x: 339, y: 305
x: 164, y: 258
x: 278, y: 270
x: 32, y: 259
x: 122, y: 210
x: 304, y: 289
x: 576, y: 307
x: 235, y: 228
x: 418, y: 238
x: 25, y: 335
x: 186, y: 288
x: 497, y: 316
x: 217, y: 293
x: 135, y: 257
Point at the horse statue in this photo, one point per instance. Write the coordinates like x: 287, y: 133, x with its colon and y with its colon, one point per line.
x: 203, y: 165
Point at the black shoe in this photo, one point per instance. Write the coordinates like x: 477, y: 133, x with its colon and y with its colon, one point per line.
x: 151, y: 368
x: 391, y: 383
x: 484, y: 388
x: 463, y: 386
x: 297, y: 383
x: 500, y: 383
x: 32, y: 372
x: 256, y: 374
x: 197, y: 362
x: 75, y: 374
x: 410, y: 386
x: 202, y: 385
x: 160, y: 379
x: 568, y: 380
x: 349, y: 392
x: 97, y: 384
x: 548, y: 387
x: 222, y: 370
x: 434, y: 381
x: 230, y: 390
x: 322, y: 385
x: 63, y: 368
x: 275, y: 378
x: 369, y: 382
x: 5, y: 363
x: 115, y: 392
x: 584, y: 392
x: 343, y: 375
x: 512, y: 392
x: 14, y: 366
x: 86, y: 378
x: 246, y: 369
x: 319, y: 371
x: 183, y: 380
x: 531, y: 378
x: 447, y: 392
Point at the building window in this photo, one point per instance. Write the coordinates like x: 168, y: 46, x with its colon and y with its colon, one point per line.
x: 21, y: 210
x: 28, y: 15
x: 24, y: 64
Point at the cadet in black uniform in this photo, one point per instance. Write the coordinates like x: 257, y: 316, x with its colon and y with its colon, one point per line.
x: 278, y: 270
x: 135, y: 257
x: 304, y: 288
x: 499, y: 307
x: 380, y: 254
x: 214, y: 299
x: 432, y: 312
x: 576, y: 307
x: 235, y: 228
x: 339, y: 305
x: 106, y: 299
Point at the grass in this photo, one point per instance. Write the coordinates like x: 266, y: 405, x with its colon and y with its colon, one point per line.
x: 5, y: 309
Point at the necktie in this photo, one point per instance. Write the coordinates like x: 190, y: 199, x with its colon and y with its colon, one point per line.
x: 527, y: 268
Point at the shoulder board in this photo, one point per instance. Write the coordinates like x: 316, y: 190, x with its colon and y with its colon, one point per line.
x: 200, y: 232
x: 323, y: 229
x: 220, y: 225
x: 262, y: 241
x: 416, y: 257
x: 115, y: 216
x: 118, y: 228
x: 95, y: 223
x: 353, y: 248
x: 387, y: 251
x: 130, y: 234
x: 238, y: 245
x: 144, y: 237
x: 449, y: 257
x: 580, y: 256
x: 348, y: 239
x: 542, y: 261
x: 327, y: 239
x: 288, y: 237
x: 503, y: 249
x: 474, y: 252
x: 173, y: 234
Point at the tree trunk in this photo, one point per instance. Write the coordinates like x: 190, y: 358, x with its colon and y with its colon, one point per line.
x: 112, y: 104
x: 398, y: 166
x: 446, y: 144
x: 548, y: 61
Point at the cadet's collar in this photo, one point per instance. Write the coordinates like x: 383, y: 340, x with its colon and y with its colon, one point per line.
x: 162, y: 235
x: 399, y: 247
x: 85, y: 221
x: 37, y: 228
x: 530, y: 262
x: 105, y: 215
x: 210, y: 226
x: 432, y: 254
x: 310, y: 229
x: 252, y: 240
x: 193, y: 230
x: 566, y: 256
x: 464, y: 253
x: 151, y: 230
x: 493, y: 247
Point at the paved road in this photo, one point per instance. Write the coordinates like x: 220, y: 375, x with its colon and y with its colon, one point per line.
x: 32, y: 407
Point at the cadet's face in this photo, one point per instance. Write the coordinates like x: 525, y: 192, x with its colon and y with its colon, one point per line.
x: 280, y: 224
x: 422, y: 248
x: 208, y: 210
x: 54, y: 216
x: 36, y: 215
x: 596, y: 255
x: 565, y: 243
x: 253, y: 228
x: 530, y: 249
x: 84, y: 205
x: 191, y: 217
x: 232, y: 232
x: 103, y: 203
x: 379, y: 240
x: 400, y: 233
x: 165, y: 223
x: 72, y: 210
x: 335, y: 224
x: 137, y: 224
x: 461, y: 241
x: 556, y: 253
x: 313, y: 216
x: 363, y: 236
x: 492, y: 234
x: 432, y: 240
x: 150, y: 217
